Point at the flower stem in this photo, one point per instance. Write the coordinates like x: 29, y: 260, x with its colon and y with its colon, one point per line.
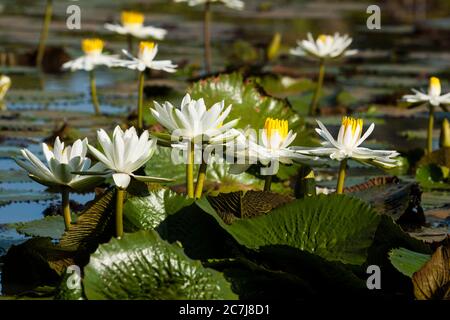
x: 120, y: 195
x: 207, y: 36
x: 44, y: 33
x: 200, y: 179
x: 316, y: 96
x: 190, y: 172
x: 66, y: 207
x: 267, y: 183
x: 141, y: 101
x: 341, y: 177
x: 94, y: 93
x: 430, y: 130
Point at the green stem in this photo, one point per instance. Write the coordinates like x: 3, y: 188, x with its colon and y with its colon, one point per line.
x: 190, y: 172
x: 141, y: 101
x: 341, y: 177
x: 66, y: 207
x: 120, y: 195
x: 267, y: 183
x: 207, y: 36
x: 200, y: 179
x: 317, y: 92
x: 44, y: 33
x: 94, y: 93
x: 430, y: 130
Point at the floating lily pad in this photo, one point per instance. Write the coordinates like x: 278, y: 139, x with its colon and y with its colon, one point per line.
x: 321, y: 225
x: 52, y: 227
x: 250, y: 105
x: 143, y: 266
x: 407, y: 261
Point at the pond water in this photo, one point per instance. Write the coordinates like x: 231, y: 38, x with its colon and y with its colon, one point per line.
x: 401, y: 55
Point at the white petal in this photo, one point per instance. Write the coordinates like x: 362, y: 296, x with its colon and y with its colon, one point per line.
x: 121, y: 180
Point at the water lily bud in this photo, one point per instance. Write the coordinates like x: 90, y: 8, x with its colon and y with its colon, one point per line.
x: 444, y: 139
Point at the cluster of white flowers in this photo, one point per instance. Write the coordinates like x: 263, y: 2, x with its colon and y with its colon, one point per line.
x: 192, y: 122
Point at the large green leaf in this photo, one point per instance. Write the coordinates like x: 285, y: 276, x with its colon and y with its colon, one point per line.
x: 335, y: 227
x: 407, y: 261
x: 149, y: 211
x: 176, y: 219
x: 143, y: 266
x: 162, y: 166
x: 250, y: 103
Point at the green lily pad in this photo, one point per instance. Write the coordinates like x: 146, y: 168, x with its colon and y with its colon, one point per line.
x: 8, y: 196
x: 407, y: 261
x: 432, y: 176
x: 143, y: 266
x: 250, y: 105
x: 322, y: 225
x: 52, y: 227
x: 149, y: 211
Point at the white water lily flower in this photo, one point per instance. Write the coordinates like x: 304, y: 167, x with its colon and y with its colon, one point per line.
x: 233, y: 4
x: 145, y: 59
x: 93, y: 57
x: 324, y: 47
x: 273, y: 148
x: 62, y: 162
x: 124, y: 154
x: 433, y: 96
x: 193, y: 121
x: 347, y: 145
x: 132, y: 23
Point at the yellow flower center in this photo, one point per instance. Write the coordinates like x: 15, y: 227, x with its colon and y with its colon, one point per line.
x: 132, y: 18
x: 273, y: 126
x: 92, y: 45
x: 323, y: 38
x: 352, y: 124
x: 146, y: 46
x: 435, y: 86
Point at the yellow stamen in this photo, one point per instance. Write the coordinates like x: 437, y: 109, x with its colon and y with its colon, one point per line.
x: 273, y: 126
x: 132, y: 18
x: 323, y: 38
x: 92, y: 45
x: 352, y: 124
x: 435, y: 85
x: 146, y: 46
